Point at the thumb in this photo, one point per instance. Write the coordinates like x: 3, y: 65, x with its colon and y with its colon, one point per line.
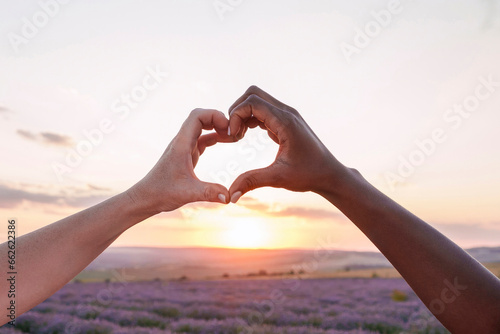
x: 212, y: 192
x: 257, y: 178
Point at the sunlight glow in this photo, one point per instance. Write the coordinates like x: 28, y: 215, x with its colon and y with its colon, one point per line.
x: 247, y: 233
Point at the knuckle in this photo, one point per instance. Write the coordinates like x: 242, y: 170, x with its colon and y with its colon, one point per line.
x: 253, y: 89
x: 196, y: 111
x: 292, y: 118
x: 292, y: 111
x: 253, y: 100
x: 250, y: 182
x: 209, y: 193
x: 220, y: 113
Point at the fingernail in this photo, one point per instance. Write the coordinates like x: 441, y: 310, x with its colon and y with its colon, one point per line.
x: 228, y: 130
x: 236, y: 196
x: 222, y: 198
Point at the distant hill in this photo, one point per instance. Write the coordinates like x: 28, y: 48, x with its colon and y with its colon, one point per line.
x: 485, y: 254
x: 142, y: 263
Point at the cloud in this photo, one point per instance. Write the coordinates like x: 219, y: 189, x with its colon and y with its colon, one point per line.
x: 11, y: 197
x: 471, y: 232
x: 97, y: 188
x: 26, y: 134
x: 5, y: 113
x: 309, y: 213
x: 47, y: 138
x: 295, y: 211
x: 253, y: 204
x: 56, y: 139
x: 202, y: 205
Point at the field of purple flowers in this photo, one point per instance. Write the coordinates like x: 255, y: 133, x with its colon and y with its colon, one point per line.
x: 277, y: 306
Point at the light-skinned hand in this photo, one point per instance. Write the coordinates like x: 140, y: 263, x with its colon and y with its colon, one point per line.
x: 172, y: 182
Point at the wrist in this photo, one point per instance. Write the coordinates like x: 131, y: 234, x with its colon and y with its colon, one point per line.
x: 342, y: 183
x: 124, y: 211
x: 140, y: 203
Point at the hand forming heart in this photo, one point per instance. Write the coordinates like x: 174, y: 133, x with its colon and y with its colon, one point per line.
x: 423, y: 256
x: 172, y: 182
x: 303, y: 163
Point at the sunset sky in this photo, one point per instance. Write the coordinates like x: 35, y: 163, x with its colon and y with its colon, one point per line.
x: 376, y: 80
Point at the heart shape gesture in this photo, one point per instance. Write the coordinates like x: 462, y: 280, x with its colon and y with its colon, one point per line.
x: 172, y: 182
x: 423, y: 256
x: 302, y: 164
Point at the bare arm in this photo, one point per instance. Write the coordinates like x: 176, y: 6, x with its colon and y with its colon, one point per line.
x: 459, y: 291
x: 50, y: 257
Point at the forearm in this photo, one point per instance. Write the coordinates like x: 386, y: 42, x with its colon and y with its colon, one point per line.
x: 462, y: 293
x: 50, y: 257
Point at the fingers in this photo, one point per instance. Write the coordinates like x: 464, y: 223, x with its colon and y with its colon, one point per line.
x: 254, y: 122
x: 211, y: 139
x: 207, y: 140
x: 252, y: 109
x: 255, y: 110
x: 211, y: 192
x: 199, y: 120
x: 237, y: 129
x: 254, y: 90
x: 190, y: 142
x: 257, y: 178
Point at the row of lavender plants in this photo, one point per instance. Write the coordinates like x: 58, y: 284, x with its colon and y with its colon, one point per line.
x: 289, y: 306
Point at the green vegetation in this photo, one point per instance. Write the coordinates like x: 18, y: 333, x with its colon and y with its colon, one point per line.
x: 167, y: 312
x: 188, y: 329
x: 399, y: 296
x: 383, y: 328
x: 315, y: 321
x: 147, y: 322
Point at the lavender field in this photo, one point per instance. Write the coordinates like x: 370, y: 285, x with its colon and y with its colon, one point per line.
x: 289, y: 306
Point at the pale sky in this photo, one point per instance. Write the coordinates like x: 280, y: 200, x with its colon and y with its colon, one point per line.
x: 370, y: 84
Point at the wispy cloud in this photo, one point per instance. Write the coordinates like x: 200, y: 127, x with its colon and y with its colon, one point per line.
x: 262, y: 208
x: 47, y: 138
x: 56, y: 139
x: 292, y: 211
x: 305, y: 213
x: 203, y: 205
x: 4, y: 110
x: 26, y: 134
x: 11, y: 197
x: 253, y: 204
x: 97, y: 188
x: 473, y: 232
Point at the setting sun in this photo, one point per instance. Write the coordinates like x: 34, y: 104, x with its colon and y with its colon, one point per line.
x: 247, y: 233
